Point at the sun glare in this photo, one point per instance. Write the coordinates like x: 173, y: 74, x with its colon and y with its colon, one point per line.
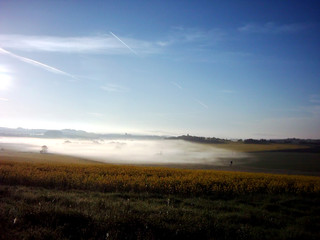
x: 5, y: 81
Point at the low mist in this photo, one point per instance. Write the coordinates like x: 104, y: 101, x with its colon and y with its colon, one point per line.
x: 127, y: 151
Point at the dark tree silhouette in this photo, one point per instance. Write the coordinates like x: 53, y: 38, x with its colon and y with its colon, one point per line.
x: 44, y: 149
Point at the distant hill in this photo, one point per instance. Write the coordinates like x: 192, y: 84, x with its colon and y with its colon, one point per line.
x: 200, y: 139
x: 72, y: 133
x: 245, y: 141
x: 67, y: 133
x: 287, y: 141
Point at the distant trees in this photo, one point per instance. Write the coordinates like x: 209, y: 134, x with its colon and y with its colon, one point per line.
x: 44, y: 149
x: 200, y: 139
x: 256, y: 141
x: 53, y: 134
x: 246, y: 141
x: 314, y: 142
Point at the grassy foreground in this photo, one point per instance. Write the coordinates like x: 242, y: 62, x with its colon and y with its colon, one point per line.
x: 41, y: 213
x: 99, y: 201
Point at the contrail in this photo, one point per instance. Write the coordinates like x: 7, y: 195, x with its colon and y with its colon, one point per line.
x: 36, y: 63
x: 201, y: 103
x: 195, y: 99
x: 124, y: 44
x: 177, y: 85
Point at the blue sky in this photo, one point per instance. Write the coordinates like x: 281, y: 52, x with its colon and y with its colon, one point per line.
x: 234, y: 69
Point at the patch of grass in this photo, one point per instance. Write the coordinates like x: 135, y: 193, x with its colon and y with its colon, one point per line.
x: 55, y: 214
x: 33, y: 157
x: 309, y: 162
x: 242, y: 147
x: 276, y: 158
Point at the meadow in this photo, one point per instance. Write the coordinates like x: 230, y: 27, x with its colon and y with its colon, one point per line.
x: 299, y: 159
x: 47, y: 196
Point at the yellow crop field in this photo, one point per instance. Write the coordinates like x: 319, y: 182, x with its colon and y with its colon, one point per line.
x: 105, y: 178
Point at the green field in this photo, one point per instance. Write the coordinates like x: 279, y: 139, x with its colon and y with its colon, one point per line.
x: 42, y: 213
x: 276, y: 158
x: 297, y: 161
x: 242, y: 147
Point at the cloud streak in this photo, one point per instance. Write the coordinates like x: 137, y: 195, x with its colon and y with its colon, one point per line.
x: 201, y: 37
x: 272, y: 28
x: 100, y: 44
x: 114, y: 88
x: 314, y: 98
x: 4, y: 99
x: 36, y: 63
x: 95, y: 114
x: 228, y: 91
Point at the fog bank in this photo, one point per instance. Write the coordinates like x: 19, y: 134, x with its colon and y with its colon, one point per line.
x: 127, y: 151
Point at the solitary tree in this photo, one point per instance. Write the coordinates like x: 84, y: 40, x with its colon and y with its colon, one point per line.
x: 44, y: 149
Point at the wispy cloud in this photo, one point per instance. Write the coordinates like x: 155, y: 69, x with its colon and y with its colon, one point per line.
x: 4, y: 99
x: 95, y: 114
x: 189, y: 34
x: 314, y: 98
x: 100, y: 44
x: 311, y: 110
x: 227, y: 91
x: 273, y: 28
x: 163, y: 43
x: 36, y: 63
x: 114, y: 88
x: 182, y: 35
x: 315, y: 110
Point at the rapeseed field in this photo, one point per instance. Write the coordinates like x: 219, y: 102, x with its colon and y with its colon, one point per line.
x: 107, y: 178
